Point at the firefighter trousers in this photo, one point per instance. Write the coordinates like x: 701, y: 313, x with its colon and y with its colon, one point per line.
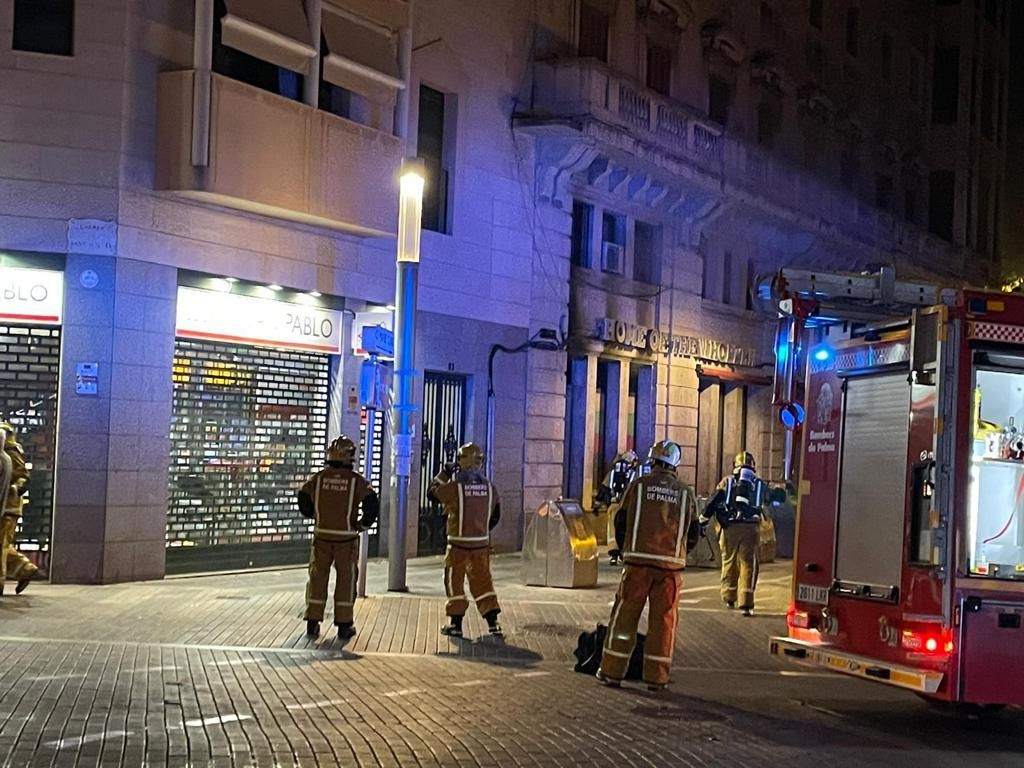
x: 460, y: 562
x: 640, y: 584
x: 739, y: 544
x: 13, y: 564
x: 344, y: 556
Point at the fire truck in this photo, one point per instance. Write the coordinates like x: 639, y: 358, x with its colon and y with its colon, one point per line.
x: 909, y: 562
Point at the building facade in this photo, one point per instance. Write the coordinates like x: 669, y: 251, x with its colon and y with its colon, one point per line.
x: 197, y: 224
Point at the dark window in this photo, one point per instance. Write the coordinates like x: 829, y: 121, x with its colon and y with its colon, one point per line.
x: 991, y: 12
x: 945, y: 85
x: 941, y: 203
x: 240, y: 66
x: 705, y: 274
x: 817, y: 13
x: 647, y: 253
x: 430, y: 145
x: 751, y: 284
x: 659, y: 69
x: 849, y: 168
x: 914, y: 89
x: 340, y: 101
x: 727, y: 277
x: 853, y: 31
x: 883, y: 192
x: 44, y: 26
x: 767, y: 23
x: 910, y: 205
x: 887, y: 58
x: 594, y: 26
x: 988, y: 105
x: 768, y: 120
x: 582, y: 221
x: 719, y: 98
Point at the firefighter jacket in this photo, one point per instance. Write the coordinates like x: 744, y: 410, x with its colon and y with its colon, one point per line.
x: 472, y: 505
x: 18, y: 484
x: 653, y: 525
x: 615, y: 483
x: 332, y: 497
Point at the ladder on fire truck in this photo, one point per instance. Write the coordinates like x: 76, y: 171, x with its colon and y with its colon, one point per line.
x: 804, y: 298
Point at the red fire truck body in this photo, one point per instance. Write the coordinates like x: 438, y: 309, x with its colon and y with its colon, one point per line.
x: 909, y: 563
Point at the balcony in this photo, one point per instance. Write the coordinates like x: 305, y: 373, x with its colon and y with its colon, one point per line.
x: 276, y: 157
x: 617, y: 111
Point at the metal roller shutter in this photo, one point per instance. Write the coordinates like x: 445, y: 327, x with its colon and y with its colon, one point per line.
x: 249, y: 426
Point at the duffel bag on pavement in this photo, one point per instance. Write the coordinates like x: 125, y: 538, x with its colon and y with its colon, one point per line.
x: 588, y: 653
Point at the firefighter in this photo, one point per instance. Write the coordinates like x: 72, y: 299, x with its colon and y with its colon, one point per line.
x: 737, y: 507
x: 471, y: 503
x: 652, y: 528
x: 14, y: 471
x: 332, y: 498
x: 622, y: 473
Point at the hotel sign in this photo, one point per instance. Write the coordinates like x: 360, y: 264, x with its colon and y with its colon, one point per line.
x: 654, y: 342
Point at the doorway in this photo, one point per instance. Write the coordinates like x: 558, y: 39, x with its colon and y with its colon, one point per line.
x: 444, y: 430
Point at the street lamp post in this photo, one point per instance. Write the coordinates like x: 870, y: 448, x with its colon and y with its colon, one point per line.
x: 410, y: 208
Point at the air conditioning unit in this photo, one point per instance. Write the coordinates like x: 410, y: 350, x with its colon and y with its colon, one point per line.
x: 611, y: 258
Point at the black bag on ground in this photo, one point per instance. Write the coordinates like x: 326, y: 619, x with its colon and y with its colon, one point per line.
x: 588, y: 654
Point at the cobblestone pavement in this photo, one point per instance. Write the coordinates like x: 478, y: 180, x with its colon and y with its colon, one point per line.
x: 214, y: 672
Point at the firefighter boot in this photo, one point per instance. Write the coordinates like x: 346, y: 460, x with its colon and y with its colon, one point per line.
x: 313, y: 628
x: 611, y: 682
x: 492, y: 623
x: 454, y: 629
x: 23, y: 584
x: 346, y: 630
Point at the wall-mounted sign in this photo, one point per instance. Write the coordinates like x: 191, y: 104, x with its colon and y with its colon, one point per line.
x: 653, y: 341
x: 92, y: 236
x: 87, y: 379
x: 368, y: 321
x: 34, y: 296
x: 218, y: 316
x: 89, y: 279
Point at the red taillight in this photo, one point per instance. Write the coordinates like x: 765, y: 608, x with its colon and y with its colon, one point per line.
x: 799, y: 619
x: 933, y: 642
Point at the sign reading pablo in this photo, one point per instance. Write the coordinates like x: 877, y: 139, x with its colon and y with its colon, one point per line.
x: 653, y: 341
x: 34, y: 296
x: 264, y: 322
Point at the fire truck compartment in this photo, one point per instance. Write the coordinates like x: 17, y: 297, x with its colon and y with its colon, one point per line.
x: 872, y: 484
x: 991, y: 663
x: 924, y: 681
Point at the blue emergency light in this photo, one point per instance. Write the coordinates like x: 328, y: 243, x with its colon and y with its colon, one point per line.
x: 821, y: 354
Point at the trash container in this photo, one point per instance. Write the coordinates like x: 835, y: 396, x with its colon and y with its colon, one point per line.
x: 560, y: 549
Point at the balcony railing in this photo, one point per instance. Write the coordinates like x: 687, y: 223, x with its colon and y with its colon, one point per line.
x: 581, y: 89
x: 277, y: 157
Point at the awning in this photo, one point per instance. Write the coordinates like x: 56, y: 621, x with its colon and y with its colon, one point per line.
x: 271, y: 30
x: 362, y: 58
x: 745, y: 376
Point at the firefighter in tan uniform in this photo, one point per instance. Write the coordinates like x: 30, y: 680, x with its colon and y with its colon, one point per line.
x: 13, y: 477
x: 652, y: 530
x: 471, y: 503
x: 332, y: 498
x: 737, y: 507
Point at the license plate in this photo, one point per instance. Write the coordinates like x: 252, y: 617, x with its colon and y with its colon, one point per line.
x: 805, y: 593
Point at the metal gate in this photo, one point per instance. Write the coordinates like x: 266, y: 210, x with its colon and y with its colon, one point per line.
x: 29, y: 368
x: 374, y: 472
x: 249, y: 426
x: 444, y: 429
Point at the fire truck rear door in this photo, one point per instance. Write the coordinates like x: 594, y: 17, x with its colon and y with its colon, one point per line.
x: 872, y: 483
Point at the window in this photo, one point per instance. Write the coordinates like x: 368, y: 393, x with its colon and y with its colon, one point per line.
x: 995, y: 535
x: 719, y: 98
x: 613, y: 243
x: 647, y: 253
x: 659, y: 69
x: 582, y: 222
x: 727, y: 277
x: 817, y: 13
x: 883, y: 191
x: 594, y: 25
x: 768, y: 120
x: 751, y: 284
x: 767, y: 16
x: 44, y: 26
x: 910, y: 205
x: 432, y: 145
x: 988, y: 99
x: 946, y: 86
x: 941, y: 203
x: 887, y: 58
x: 246, y: 68
x: 853, y: 31
x: 914, y: 86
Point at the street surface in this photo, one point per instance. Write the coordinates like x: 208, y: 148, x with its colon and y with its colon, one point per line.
x: 216, y: 671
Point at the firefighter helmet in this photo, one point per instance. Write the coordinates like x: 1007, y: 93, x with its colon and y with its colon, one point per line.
x: 630, y: 457
x: 470, y: 457
x: 342, y: 451
x: 744, y: 459
x: 665, y: 452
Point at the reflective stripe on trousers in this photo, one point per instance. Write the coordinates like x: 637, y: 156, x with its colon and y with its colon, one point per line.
x: 459, y: 563
x: 739, y: 543
x: 640, y: 584
x: 13, y: 564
